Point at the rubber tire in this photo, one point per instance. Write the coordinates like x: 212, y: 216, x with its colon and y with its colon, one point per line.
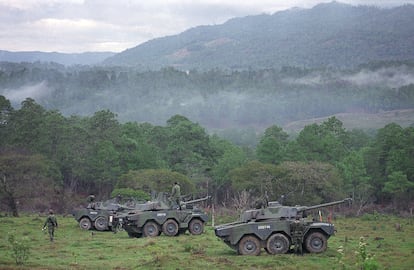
x: 196, y: 227
x: 134, y: 235
x: 316, y: 242
x: 101, y: 223
x: 85, y: 223
x: 151, y: 229
x: 277, y: 243
x: 170, y: 227
x: 249, y: 245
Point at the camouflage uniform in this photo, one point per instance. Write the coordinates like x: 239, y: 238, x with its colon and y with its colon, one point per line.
x: 176, y: 194
x: 51, y: 223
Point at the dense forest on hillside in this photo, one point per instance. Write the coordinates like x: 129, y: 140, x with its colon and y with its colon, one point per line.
x: 50, y: 160
x: 327, y: 35
x: 216, y: 99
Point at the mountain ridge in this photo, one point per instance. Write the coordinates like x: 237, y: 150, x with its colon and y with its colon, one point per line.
x: 330, y: 34
x: 67, y: 59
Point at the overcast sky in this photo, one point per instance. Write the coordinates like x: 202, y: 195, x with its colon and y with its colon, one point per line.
x: 115, y: 25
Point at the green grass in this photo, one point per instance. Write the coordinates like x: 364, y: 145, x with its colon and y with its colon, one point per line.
x: 78, y: 249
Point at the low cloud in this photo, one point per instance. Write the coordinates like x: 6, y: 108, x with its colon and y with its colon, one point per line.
x: 393, y: 77
x: 37, y: 92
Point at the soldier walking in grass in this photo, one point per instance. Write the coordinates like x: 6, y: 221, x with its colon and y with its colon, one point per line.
x: 51, y: 223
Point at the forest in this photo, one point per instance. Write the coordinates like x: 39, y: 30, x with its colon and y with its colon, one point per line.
x: 51, y: 160
x: 216, y: 99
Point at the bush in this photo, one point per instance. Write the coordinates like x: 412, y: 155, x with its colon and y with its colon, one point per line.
x: 138, y: 195
x: 20, y: 249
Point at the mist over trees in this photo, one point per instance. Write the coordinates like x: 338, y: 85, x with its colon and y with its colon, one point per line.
x: 71, y: 157
x: 216, y: 99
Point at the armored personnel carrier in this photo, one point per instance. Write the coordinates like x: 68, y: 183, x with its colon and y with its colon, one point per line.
x: 276, y: 228
x: 162, y: 216
x: 97, y: 215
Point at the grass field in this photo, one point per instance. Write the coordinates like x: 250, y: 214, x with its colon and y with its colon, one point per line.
x: 74, y: 248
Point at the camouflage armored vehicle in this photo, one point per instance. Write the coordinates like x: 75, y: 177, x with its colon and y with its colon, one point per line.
x: 97, y: 215
x: 276, y: 228
x: 161, y: 215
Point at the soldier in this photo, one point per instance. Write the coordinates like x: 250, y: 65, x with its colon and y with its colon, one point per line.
x: 51, y: 223
x: 176, y: 194
x: 91, y: 200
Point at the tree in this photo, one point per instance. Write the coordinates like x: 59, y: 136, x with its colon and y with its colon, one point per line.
x: 258, y: 179
x: 129, y: 193
x: 326, y: 143
x: 5, y: 111
x: 310, y: 183
x: 26, y: 178
x: 159, y: 180
x: 356, y: 179
x: 137, y: 151
x: 392, y: 151
x: 25, y: 124
x: 189, y: 150
x: 102, y: 162
x: 272, y: 146
x: 229, y: 157
x: 400, y: 188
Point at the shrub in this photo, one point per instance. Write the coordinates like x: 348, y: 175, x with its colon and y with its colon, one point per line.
x: 20, y: 249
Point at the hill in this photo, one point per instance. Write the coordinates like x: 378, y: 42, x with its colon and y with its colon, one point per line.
x: 67, y: 59
x: 364, y: 121
x: 332, y: 34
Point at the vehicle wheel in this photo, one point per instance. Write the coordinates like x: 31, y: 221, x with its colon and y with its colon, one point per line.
x: 101, y: 224
x: 134, y: 235
x: 277, y: 244
x: 151, y: 229
x: 85, y: 223
x: 249, y: 245
x: 316, y: 242
x: 170, y: 227
x: 196, y: 226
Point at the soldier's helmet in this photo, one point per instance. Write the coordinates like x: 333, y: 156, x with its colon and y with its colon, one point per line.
x: 51, y: 211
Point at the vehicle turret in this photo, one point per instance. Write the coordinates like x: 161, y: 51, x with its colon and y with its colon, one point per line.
x: 274, y: 210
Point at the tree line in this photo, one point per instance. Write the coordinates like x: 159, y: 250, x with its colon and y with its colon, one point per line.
x: 214, y: 98
x: 49, y: 160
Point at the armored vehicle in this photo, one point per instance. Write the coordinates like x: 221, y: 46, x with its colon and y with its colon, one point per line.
x: 276, y: 228
x: 161, y: 215
x: 97, y: 215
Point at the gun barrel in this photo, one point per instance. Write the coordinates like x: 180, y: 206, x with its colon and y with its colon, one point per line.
x: 196, y: 200
x: 324, y: 204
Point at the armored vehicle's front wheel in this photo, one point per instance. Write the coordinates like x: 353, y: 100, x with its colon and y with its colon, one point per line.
x: 249, y: 245
x: 101, y: 224
x: 85, y: 223
x: 196, y: 226
x: 277, y: 244
x: 170, y: 227
x: 316, y: 242
x: 151, y: 229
